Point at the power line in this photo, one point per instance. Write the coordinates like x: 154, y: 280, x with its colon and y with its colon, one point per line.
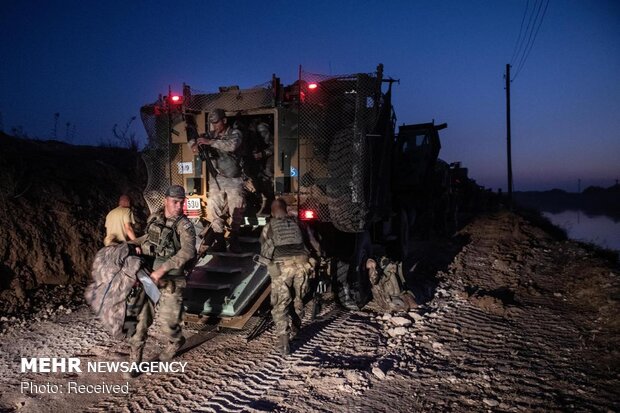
x: 514, y: 52
x: 532, y: 36
x: 528, y: 30
x: 531, y: 45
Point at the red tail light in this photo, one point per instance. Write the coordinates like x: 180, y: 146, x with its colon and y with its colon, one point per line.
x: 176, y: 99
x: 312, y: 86
x: 307, y: 214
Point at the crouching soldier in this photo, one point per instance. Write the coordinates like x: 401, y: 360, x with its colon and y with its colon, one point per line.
x: 282, y: 244
x: 386, y: 289
x: 167, y: 246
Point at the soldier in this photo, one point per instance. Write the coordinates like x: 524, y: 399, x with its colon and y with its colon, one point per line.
x: 224, y: 143
x: 282, y: 244
x: 386, y: 289
x: 168, y: 245
x: 265, y: 158
x: 118, y: 223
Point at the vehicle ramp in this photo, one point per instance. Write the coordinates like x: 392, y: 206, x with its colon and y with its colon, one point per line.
x: 226, y: 287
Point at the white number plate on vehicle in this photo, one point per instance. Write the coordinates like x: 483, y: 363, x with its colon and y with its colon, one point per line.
x: 192, y: 204
x: 185, y: 168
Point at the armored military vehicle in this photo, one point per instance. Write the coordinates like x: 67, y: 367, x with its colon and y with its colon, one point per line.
x: 338, y: 163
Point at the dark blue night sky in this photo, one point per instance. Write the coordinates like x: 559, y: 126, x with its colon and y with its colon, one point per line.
x: 97, y: 62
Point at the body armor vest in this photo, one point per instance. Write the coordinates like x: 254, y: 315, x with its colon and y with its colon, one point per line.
x: 287, y: 238
x: 162, y: 240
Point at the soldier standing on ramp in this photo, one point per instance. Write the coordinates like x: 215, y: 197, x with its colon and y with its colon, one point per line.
x: 168, y: 245
x: 282, y: 244
x: 227, y: 193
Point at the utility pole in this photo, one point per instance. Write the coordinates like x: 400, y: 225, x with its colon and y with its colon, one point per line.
x: 508, y: 143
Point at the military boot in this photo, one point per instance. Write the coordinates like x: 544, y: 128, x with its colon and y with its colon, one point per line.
x: 135, y: 356
x: 171, y: 350
x: 294, y: 331
x: 295, y: 325
x: 283, y: 345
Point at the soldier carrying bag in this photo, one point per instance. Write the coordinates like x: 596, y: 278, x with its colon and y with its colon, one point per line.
x: 114, y: 278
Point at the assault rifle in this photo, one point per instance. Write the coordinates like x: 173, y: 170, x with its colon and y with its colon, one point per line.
x: 192, y: 133
x: 319, y: 285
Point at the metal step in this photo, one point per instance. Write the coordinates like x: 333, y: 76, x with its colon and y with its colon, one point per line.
x: 225, y: 286
x: 259, y: 220
x: 221, y: 268
x: 249, y: 240
x: 232, y: 254
x: 208, y: 285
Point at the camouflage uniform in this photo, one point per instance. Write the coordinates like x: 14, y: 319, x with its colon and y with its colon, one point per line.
x: 289, y: 284
x: 229, y: 196
x: 282, y: 243
x: 114, y: 275
x: 264, y: 178
x: 386, y: 289
x: 172, y: 256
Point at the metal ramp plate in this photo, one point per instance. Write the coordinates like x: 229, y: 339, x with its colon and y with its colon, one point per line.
x: 240, y: 296
x: 224, y: 284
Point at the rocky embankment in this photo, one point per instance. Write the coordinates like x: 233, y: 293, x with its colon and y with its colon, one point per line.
x: 54, y: 200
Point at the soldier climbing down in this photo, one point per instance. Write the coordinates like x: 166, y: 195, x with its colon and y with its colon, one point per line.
x: 264, y: 156
x: 225, y: 189
x: 167, y: 246
x: 282, y: 244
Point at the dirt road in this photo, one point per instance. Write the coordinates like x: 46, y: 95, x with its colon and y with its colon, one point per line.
x: 512, y: 320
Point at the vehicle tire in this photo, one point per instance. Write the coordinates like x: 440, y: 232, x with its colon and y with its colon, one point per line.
x: 346, y: 188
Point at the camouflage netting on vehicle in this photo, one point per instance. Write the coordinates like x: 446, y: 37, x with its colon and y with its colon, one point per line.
x: 159, y: 120
x: 156, y: 155
x: 337, y: 117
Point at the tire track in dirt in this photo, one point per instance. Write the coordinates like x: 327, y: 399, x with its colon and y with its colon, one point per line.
x: 249, y: 388
x: 495, y: 346
x: 499, y: 334
x: 225, y: 374
x: 62, y: 336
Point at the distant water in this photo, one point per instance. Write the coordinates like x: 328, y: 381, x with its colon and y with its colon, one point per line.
x: 601, y: 230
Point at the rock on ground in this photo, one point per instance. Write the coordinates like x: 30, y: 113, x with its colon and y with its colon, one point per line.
x: 499, y: 339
